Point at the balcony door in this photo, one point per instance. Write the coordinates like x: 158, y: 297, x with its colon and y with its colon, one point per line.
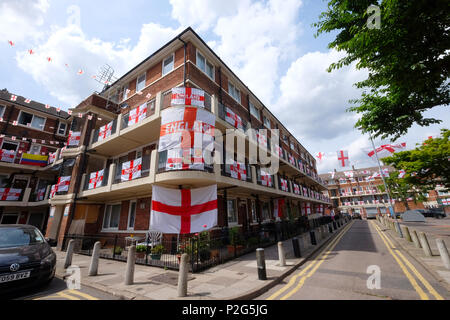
x: 20, y: 182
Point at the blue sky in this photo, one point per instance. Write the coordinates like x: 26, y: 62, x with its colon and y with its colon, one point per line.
x: 274, y: 36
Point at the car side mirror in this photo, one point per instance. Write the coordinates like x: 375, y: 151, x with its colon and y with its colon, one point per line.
x: 47, y: 239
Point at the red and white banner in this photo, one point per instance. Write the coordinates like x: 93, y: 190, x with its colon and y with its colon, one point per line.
x: 96, y: 179
x: 105, y: 131
x: 291, y: 160
x: 284, y: 185
x: 349, y: 174
x: 7, y: 155
x: 188, y: 97
x: 305, y: 192
x: 41, y: 194
x: 306, y: 208
x: 131, y: 170
x: 387, y: 149
x: 186, y: 128
x: 185, y: 159
x: 343, y: 159
x: 63, y: 183
x: 51, y: 157
x: 74, y: 138
x: 261, y: 136
x: 10, y: 194
x: 266, y: 178
x: 183, y: 211
x: 278, y: 151
x: 401, y: 173
x: 296, y: 188
x: 238, y: 171
x: 137, y: 114
x: 278, y: 207
x: 233, y: 119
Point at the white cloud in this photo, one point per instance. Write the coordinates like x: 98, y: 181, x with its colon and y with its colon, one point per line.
x: 70, y: 45
x: 20, y: 19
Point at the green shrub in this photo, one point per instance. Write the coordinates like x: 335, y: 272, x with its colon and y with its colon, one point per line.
x: 141, y: 248
x: 158, y: 249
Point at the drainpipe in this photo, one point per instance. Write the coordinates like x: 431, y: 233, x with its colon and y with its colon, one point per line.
x: 184, y: 66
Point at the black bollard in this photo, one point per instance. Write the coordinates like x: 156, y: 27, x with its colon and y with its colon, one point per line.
x: 330, y: 229
x: 261, y: 264
x: 313, y: 238
x: 296, y: 246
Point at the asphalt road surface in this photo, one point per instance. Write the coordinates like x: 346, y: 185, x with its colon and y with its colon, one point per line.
x: 361, y: 263
x: 57, y: 290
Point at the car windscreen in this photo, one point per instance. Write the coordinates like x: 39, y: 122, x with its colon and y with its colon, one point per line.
x: 18, y: 237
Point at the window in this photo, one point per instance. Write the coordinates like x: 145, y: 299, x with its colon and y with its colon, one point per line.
x: 35, y: 122
x: 210, y: 70
x: 132, y: 215
x: 167, y: 65
x: 140, y: 83
x: 112, y: 216
x: 266, y: 211
x: 253, y: 208
x: 231, y: 211
x: 205, y: 65
x: 35, y: 149
x: 125, y: 92
x: 234, y: 92
x: 9, y: 145
x: 254, y: 111
x: 62, y: 129
x: 4, y: 180
x: 2, y: 111
x: 267, y: 123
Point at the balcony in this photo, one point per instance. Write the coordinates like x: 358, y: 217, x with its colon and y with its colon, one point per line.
x: 15, y: 161
x: 26, y: 198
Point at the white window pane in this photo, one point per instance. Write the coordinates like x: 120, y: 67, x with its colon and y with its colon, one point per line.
x: 132, y: 215
x: 125, y: 93
x: 210, y: 70
x: 140, y: 83
x: 38, y: 123
x: 107, y: 217
x: 62, y: 128
x: 200, y: 62
x: 25, y: 118
x: 168, y: 65
x: 2, y: 110
x: 115, y: 216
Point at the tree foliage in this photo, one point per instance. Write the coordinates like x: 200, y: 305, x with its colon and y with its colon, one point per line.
x: 407, y: 58
x: 427, y: 165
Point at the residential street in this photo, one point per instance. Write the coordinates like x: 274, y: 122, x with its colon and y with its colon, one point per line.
x: 339, y: 271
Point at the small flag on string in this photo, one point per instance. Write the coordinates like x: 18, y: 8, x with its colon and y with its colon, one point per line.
x: 148, y: 95
x: 80, y: 72
x: 80, y: 115
x: 320, y: 156
x: 24, y: 139
x: 47, y: 106
x: 89, y: 117
x: 13, y: 138
x: 15, y: 123
x: 58, y: 109
x: 69, y: 112
x: 13, y: 98
x: 11, y: 43
x: 27, y: 101
x: 1, y: 119
x: 33, y: 140
x: 31, y: 51
x: 139, y: 93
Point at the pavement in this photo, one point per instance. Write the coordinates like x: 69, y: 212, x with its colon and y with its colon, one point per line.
x: 237, y: 279
x: 433, y: 229
x: 361, y: 264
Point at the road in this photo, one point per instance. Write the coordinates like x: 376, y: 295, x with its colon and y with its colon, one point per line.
x: 57, y: 290
x: 340, y: 271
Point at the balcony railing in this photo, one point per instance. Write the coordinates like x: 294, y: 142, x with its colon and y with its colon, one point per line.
x: 163, y: 167
x: 226, y: 171
x: 97, y: 131
x: 102, y: 184
x: 145, y: 170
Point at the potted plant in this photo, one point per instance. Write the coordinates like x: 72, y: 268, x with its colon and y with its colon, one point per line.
x: 235, y: 241
x: 117, y: 251
x: 157, y: 251
x: 141, y: 251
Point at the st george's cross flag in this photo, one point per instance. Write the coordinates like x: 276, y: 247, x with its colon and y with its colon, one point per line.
x: 10, y: 194
x: 7, y: 155
x: 296, y: 188
x: 183, y: 211
x: 343, y: 159
x: 105, y: 131
x: 278, y: 151
x: 186, y: 128
x: 131, y: 170
x: 40, y: 194
x: 96, y: 179
x: 185, y: 159
x: 291, y: 160
x: 349, y: 174
x: 13, y: 97
x: 63, y: 183
x: 306, y: 208
x: 51, y: 157
x: 284, y: 185
x: 137, y: 114
x: 74, y: 138
x: 387, y: 150
x: 238, y: 170
x: 278, y: 207
x: 266, y: 178
x: 188, y: 97
x: 233, y: 119
x: 401, y: 174
x: 261, y: 136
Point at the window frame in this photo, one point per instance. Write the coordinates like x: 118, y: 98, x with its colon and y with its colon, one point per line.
x: 2, y: 110
x: 109, y: 228
x: 206, y: 61
x: 236, y: 90
x: 59, y: 128
x: 32, y: 119
x: 129, y: 214
x: 264, y: 122
x: 137, y: 82
x: 172, y: 55
x: 236, y: 222
x: 252, y: 106
x: 10, y: 214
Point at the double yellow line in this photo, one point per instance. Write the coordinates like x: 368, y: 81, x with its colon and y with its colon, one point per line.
x: 402, y: 261
x: 69, y: 295
x: 314, y: 265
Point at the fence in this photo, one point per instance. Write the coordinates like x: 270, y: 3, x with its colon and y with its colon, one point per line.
x: 203, y: 249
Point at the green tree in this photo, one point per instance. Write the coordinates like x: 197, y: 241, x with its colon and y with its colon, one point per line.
x: 401, y: 190
x: 407, y: 59
x: 427, y: 165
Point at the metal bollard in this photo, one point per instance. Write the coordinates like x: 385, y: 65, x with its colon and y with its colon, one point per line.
x: 281, y: 255
x: 398, y: 229
x: 129, y: 273
x: 312, y: 235
x: 69, y: 254
x: 93, y: 267
x: 261, y: 264
x: 443, y: 252
x: 415, y: 239
x: 406, y: 233
x: 296, y: 246
x: 183, y: 275
x: 425, y: 245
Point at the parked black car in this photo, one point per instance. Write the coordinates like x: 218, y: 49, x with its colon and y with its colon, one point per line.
x: 26, y: 259
x: 432, y: 213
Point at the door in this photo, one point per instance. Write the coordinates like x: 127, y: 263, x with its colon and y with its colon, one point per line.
x: 244, y: 214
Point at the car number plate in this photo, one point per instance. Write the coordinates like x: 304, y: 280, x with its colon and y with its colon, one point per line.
x: 14, y: 276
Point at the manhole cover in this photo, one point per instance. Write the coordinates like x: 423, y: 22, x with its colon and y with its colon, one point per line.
x: 169, y: 278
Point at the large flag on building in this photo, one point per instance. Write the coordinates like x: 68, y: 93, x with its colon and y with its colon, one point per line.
x: 137, y: 114
x: 96, y: 179
x: 233, y: 119
x: 183, y: 211
x: 34, y: 159
x: 131, y: 170
x: 238, y: 170
x: 105, y: 131
x: 74, y: 138
x: 266, y: 178
x: 343, y: 159
x: 387, y: 150
x: 278, y: 207
x: 284, y: 185
x: 188, y: 97
x: 7, y: 155
x: 185, y: 159
x: 10, y: 194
